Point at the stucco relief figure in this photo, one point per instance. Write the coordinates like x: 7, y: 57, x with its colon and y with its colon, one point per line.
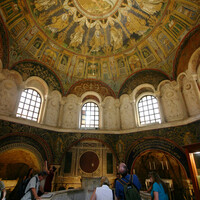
x: 134, y: 23
x: 58, y: 23
x: 70, y: 113
x: 172, y: 104
x: 77, y: 36
x: 8, y: 94
x: 110, y: 114
x: 191, y: 97
x: 52, y: 111
x: 126, y: 114
x: 97, y: 41
x: 116, y: 38
x: 41, y: 5
x: 150, y: 6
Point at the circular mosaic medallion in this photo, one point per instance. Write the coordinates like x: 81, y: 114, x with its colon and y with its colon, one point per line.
x: 89, y: 162
x: 97, y: 9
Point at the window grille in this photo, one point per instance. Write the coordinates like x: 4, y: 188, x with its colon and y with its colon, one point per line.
x: 90, y: 115
x: 29, y: 105
x: 148, y: 110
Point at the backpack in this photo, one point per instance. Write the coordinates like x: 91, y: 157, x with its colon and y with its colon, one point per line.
x: 130, y: 191
x: 23, y: 186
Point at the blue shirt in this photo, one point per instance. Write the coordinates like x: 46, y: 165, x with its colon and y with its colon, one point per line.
x: 161, y: 192
x: 119, y: 189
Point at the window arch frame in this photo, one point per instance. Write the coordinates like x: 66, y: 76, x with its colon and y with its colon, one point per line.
x: 38, y: 84
x: 98, y: 105
x: 137, y: 109
x: 40, y: 108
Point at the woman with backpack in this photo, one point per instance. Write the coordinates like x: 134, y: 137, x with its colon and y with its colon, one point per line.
x: 159, y: 190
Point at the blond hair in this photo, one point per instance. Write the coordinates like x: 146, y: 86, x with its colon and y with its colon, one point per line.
x: 104, y: 181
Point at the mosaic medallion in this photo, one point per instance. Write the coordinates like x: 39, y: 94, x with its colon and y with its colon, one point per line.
x: 89, y: 162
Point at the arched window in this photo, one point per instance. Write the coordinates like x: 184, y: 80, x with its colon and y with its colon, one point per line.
x: 90, y: 115
x: 29, y: 105
x: 148, y: 110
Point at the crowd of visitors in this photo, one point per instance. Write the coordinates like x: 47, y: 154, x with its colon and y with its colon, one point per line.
x: 126, y: 186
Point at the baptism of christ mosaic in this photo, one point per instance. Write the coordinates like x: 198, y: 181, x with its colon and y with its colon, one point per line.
x: 97, y: 27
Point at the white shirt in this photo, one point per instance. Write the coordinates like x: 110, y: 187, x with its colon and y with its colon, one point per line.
x: 104, y: 193
x: 33, y: 183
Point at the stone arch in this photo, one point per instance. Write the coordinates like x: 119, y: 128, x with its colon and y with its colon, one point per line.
x: 23, y: 153
x: 156, y: 143
x: 42, y: 88
x: 83, y: 86
x: 91, y: 94
x: 30, y: 142
x: 194, y: 61
x: 31, y: 68
x: 152, y: 77
x: 143, y: 88
x: 37, y: 83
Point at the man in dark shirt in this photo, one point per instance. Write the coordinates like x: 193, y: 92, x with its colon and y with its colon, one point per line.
x: 123, y: 170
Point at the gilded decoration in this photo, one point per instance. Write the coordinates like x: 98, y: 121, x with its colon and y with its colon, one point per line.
x: 91, y: 85
x: 145, y: 76
x: 28, y: 69
x: 105, y: 40
x: 54, y: 144
x: 186, y: 50
x: 93, y: 26
x: 3, y: 45
x: 160, y: 145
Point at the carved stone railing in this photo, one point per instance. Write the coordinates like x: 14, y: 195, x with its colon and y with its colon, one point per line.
x: 79, y: 194
x: 72, y: 194
x: 145, y: 195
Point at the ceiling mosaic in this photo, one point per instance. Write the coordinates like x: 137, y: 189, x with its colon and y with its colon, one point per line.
x: 96, y: 27
x: 104, y: 40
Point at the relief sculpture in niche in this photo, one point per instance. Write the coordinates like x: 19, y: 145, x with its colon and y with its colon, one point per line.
x: 109, y: 114
x: 126, y: 113
x: 171, y: 102
x: 52, y: 111
x: 8, y: 94
x: 191, y: 96
x: 70, y: 112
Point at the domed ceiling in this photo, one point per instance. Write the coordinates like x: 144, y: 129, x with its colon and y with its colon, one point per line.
x: 105, y: 40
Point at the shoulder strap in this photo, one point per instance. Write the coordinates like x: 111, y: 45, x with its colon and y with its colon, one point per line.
x: 35, y: 184
x: 113, y: 194
x: 37, y: 180
x: 123, y: 182
x: 131, y: 182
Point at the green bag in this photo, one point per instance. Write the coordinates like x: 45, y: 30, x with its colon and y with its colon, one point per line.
x: 130, y: 191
